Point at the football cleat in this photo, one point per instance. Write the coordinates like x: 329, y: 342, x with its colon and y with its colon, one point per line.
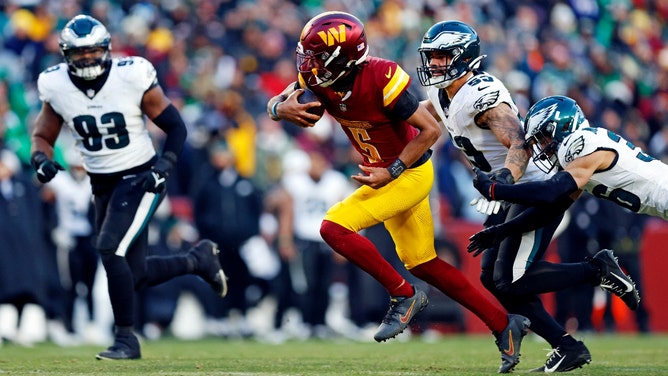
x: 399, y: 316
x: 565, y: 358
x: 614, y: 280
x: 207, y: 266
x: 509, y: 342
x: 125, y: 347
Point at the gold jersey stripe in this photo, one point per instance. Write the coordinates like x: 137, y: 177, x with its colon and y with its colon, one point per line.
x: 396, y: 86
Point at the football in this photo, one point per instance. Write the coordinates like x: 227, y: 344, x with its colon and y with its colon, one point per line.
x: 309, y: 96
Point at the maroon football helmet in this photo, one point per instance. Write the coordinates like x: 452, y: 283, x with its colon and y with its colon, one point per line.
x: 330, y: 44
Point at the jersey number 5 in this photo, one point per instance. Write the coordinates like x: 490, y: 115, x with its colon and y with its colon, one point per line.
x: 116, y: 136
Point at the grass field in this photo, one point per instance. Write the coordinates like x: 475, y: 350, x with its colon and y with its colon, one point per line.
x: 451, y: 355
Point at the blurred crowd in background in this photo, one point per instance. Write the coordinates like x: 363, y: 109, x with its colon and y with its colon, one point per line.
x: 219, y: 61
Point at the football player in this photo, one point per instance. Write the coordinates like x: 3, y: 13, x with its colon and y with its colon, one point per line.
x: 483, y: 121
x: 393, y: 133
x: 103, y: 102
x: 586, y: 158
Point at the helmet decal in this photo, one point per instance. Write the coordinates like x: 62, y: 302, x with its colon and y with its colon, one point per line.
x: 541, y: 116
x: 333, y: 36
x: 454, y: 39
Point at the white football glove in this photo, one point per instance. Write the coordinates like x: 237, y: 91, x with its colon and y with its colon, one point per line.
x: 484, y: 206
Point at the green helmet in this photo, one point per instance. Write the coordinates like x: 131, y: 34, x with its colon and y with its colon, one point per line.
x: 548, y: 122
x: 456, y: 39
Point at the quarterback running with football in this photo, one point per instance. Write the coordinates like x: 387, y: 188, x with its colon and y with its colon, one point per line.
x: 477, y: 110
x: 385, y: 123
x: 103, y: 102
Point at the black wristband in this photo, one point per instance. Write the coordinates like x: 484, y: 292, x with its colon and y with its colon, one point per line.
x: 396, y: 168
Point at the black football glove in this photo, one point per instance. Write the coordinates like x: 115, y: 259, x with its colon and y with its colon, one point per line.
x: 155, y: 180
x: 484, y: 240
x: 482, y: 182
x: 46, y: 169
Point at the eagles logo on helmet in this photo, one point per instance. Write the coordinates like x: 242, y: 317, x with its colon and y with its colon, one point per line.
x: 86, y: 44
x: 330, y: 45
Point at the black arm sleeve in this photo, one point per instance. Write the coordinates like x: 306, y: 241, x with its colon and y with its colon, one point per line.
x: 406, y: 105
x: 536, y: 192
x: 171, y: 123
x: 536, y: 216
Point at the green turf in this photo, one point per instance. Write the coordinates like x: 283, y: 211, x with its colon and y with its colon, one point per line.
x: 451, y: 355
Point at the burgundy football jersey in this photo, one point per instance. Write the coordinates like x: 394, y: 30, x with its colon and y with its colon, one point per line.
x: 364, y: 112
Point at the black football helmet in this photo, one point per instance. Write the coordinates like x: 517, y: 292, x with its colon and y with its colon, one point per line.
x: 84, y: 33
x: 548, y: 122
x: 330, y: 45
x: 456, y: 39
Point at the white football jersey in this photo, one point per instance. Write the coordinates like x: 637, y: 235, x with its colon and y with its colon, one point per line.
x: 109, y: 127
x: 480, y: 93
x: 635, y: 180
x: 312, y: 199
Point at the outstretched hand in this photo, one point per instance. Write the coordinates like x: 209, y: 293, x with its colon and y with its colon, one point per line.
x: 483, y: 240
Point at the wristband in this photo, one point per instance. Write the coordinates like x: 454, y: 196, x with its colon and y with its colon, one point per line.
x: 491, y: 191
x: 273, y: 110
x: 396, y: 168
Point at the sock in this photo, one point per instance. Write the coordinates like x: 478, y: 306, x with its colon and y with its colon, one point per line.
x: 361, y: 252
x: 454, y: 284
x: 542, y: 323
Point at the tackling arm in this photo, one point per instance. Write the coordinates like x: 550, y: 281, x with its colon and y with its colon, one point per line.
x: 530, y: 193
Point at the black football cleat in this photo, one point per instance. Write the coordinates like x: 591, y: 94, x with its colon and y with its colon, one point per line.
x: 566, y: 358
x: 509, y: 342
x: 125, y: 347
x: 614, y: 280
x: 207, y: 266
x: 399, y: 316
